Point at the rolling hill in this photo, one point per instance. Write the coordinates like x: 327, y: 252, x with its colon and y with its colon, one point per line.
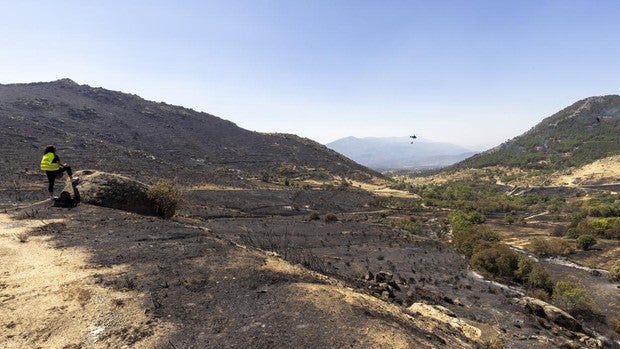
x: 123, y: 133
x: 584, y: 132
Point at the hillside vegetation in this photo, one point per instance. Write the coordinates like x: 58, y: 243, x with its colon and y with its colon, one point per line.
x: 577, y: 135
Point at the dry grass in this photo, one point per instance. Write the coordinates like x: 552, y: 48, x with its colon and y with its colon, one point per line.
x: 166, y: 196
x: 605, y: 170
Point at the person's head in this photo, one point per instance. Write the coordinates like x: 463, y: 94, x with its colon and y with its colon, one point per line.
x: 50, y: 149
x: 64, y: 196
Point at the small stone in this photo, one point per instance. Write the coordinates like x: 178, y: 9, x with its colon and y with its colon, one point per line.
x: 383, y: 276
x: 394, y: 285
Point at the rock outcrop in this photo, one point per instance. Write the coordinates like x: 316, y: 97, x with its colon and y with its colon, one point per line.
x: 114, y: 191
x: 545, y: 310
x: 445, y: 315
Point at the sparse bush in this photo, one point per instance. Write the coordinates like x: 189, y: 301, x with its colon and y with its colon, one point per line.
x: 83, y: 295
x: 166, y: 196
x: 409, y: 225
x: 586, y: 241
x: 463, y: 221
x: 550, y: 247
x: 540, y: 294
x: 509, y: 218
x: 314, y: 215
x: 344, y: 184
x: 358, y: 271
x: 572, y: 233
x: 265, y: 176
x: 558, y: 231
x: 466, y: 241
x: 21, y: 237
x: 496, y: 261
x: 283, y: 245
x: 572, y: 298
x: 615, y: 324
x: 614, y: 271
x: 605, y: 227
x: 492, y: 343
x: 539, y: 278
x: 476, y: 217
x: 330, y: 217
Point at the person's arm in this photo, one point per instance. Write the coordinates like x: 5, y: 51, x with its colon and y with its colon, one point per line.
x: 57, y: 160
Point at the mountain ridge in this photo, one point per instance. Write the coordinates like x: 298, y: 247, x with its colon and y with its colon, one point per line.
x: 394, y: 153
x: 585, y: 131
x: 120, y: 132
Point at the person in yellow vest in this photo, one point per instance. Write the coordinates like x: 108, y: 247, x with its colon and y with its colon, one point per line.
x: 51, y: 165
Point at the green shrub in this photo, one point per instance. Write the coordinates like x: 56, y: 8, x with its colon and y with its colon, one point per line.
x: 166, y: 197
x: 476, y: 217
x: 509, y: 218
x: 540, y: 294
x: 614, y: 271
x: 266, y: 176
x: 572, y: 298
x: 539, y: 278
x: 571, y: 233
x: 330, y: 217
x: 550, y: 247
x: 605, y: 227
x: 586, y: 241
x: 467, y: 240
x: 496, y: 261
x: 314, y: 215
x: 461, y: 220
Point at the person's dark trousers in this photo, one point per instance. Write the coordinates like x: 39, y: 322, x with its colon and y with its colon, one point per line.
x: 52, y: 175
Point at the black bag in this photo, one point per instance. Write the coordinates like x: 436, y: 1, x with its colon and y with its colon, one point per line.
x: 65, y: 200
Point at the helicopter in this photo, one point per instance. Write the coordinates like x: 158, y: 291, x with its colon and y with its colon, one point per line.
x: 412, y: 138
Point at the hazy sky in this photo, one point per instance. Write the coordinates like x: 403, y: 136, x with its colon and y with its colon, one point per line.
x: 467, y: 72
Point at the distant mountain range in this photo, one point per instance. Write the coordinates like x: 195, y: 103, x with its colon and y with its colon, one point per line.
x: 395, y: 153
x: 586, y: 131
x: 123, y: 133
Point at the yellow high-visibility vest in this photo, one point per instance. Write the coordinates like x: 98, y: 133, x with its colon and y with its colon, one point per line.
x: 47, y: 164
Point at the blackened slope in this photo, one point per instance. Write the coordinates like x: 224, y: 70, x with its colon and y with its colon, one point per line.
x: 579, y: 134
x: 119, y: 132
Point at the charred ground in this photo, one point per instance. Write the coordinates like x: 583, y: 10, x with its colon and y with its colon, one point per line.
x: 123, y: 133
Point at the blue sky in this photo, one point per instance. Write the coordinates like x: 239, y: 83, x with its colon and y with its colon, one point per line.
x: 475, y: 73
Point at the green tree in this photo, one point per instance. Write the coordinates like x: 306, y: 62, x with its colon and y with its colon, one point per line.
x: 571, y: 297
x: 586, y: 241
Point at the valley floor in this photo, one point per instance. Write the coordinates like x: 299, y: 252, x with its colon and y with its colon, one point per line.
x: 94, y: 277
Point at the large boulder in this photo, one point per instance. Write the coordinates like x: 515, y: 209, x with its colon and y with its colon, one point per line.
x: 114, y: 191
x: 552, y: 313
